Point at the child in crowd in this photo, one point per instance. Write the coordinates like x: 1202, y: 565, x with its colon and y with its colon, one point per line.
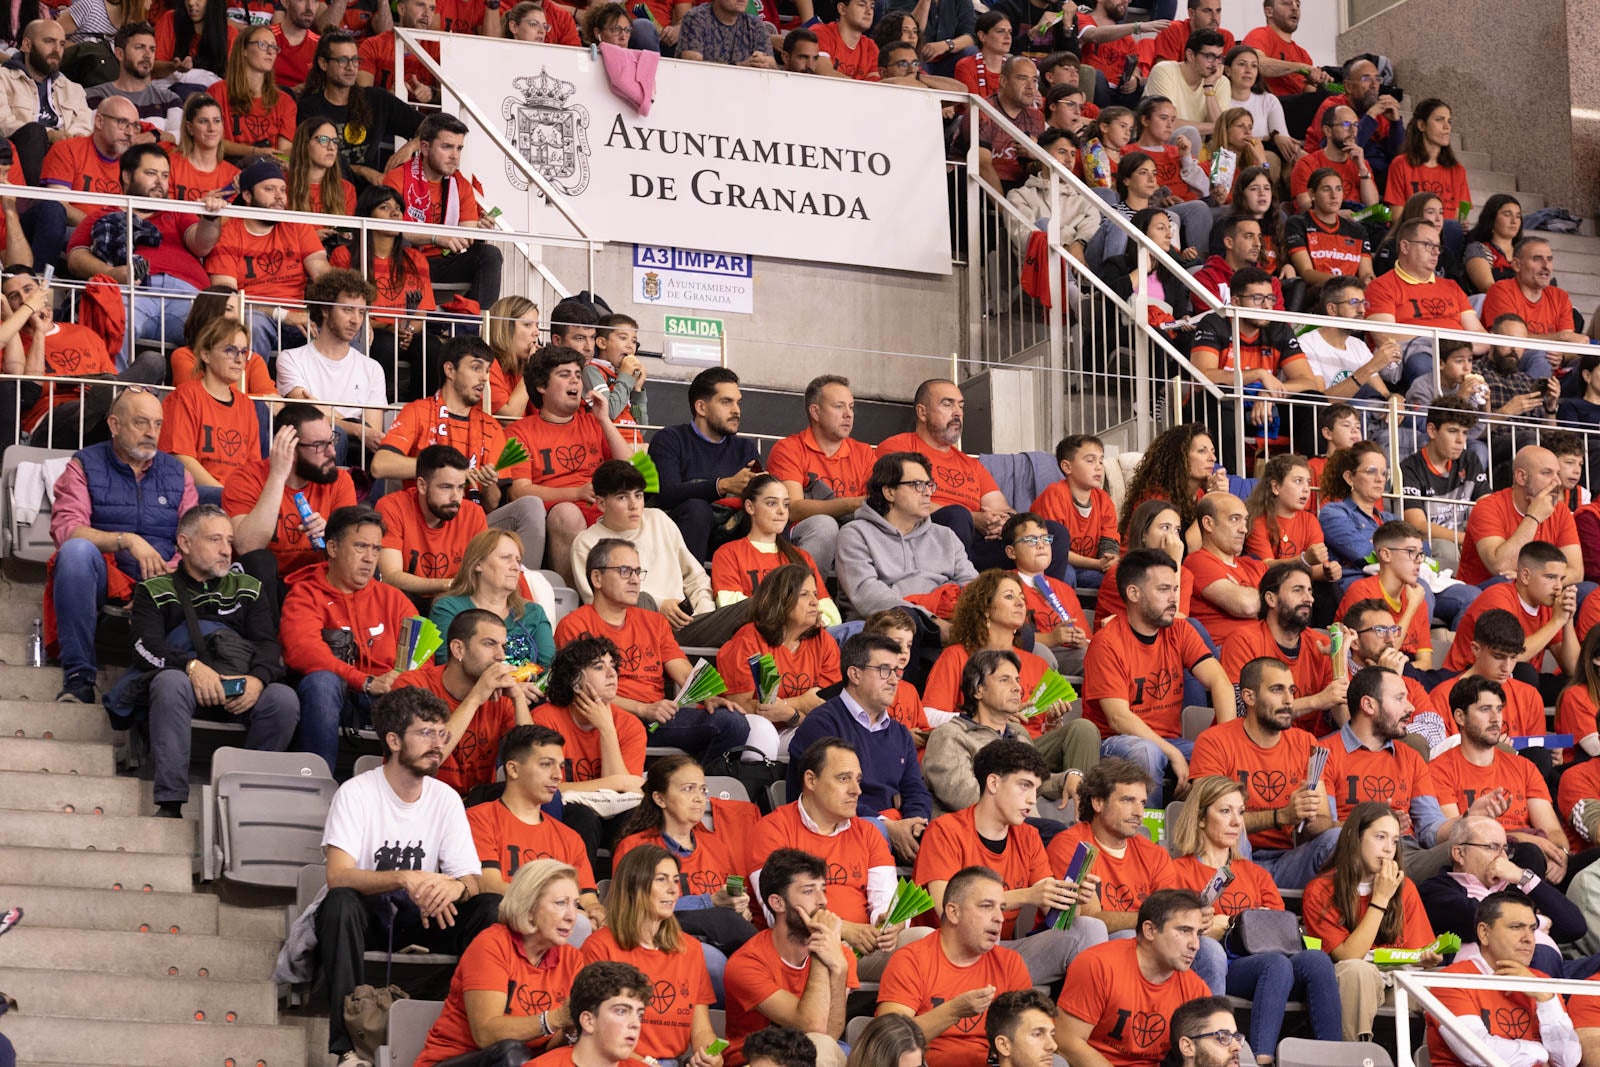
x: 615, y: 367
x: 1080, y: 503
x: 1339, y: 426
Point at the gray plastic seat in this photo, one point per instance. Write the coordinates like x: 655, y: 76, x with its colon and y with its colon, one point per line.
x: 567, y: 601
x: 727, y: 787
x: 1303, y: 1052
x: 31, y: 542
x: 263, y: 814
x: 409, y: 1023
x: 366, y: 763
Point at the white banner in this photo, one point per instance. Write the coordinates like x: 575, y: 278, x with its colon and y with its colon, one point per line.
x: 729, y: 160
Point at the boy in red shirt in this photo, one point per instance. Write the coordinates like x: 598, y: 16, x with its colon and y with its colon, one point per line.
x: 1398, y: 548
x: 847, y: 51
x: 1543, y: 602
x: 57, y: 348
x: 608, y: 1005
x: 1080, y: 503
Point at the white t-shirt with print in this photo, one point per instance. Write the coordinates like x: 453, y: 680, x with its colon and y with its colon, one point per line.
x: 370, y: 822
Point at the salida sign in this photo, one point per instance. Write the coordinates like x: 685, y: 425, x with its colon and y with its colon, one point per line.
x: 729, y: 159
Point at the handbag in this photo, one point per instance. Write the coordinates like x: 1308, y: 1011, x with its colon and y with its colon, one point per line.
x: 224, y: 650
x: 1256, y: 931
x: 366, y: 1007
x: 757, y: 774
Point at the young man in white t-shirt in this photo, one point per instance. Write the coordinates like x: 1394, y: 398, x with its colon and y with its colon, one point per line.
x: 1347, y: 367
x: 330, y: 371
x: 399, y: 853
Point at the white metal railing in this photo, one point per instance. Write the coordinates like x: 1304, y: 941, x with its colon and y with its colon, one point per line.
x: 1420, y: 984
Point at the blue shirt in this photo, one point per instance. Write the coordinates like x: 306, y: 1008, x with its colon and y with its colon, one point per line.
x: 1348, y: 531
x: 701, y: 31
x: 888, y: 757
x: 689, y: 465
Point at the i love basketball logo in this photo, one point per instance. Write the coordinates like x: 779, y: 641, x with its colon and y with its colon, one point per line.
x: 1159, y: 684
x: 270, y: 262
x: 836, y: 874
x: 1269, y: 785
x: 1085, y: 546
x: 705, y: 881
x: 67, y: 361
x: 1115, y: 896
x: 1148, y: 1028
x: 256, y: 129
x: 433, y: 565
x: 585, y: 770
x: 570, y: 458
x: 951, y: 478
x: 629, y: 659
x: 1378, y: 787
x: 466, y: 750
x: 229, y: 442
x: 1514, y: 1023
x: 1434, y: 307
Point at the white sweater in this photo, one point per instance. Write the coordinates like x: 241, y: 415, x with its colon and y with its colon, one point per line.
x: 674, y: 573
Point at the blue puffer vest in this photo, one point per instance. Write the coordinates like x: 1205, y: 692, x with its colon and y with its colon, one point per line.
x: 122, y: 503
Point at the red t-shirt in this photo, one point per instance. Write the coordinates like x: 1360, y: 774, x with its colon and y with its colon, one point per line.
x: 1437, y: 302
x: 1208, y: 568
x: 428, y: 551
x: 1588, y: 611
x: 813, y: 664
x: 497, y: 962
x: 1109, y: 604
x: 377, y: 59
x: 190, y: 183
x: 1504, y: 597
x: 1449, y: 184
x: 476, y: 435
x: 1129, y: 1012
x: 268, y: 267
x: 1417, y: 638
x: 739, y: 566
x: 1296, y: 533
x: 1311, y: 162
x: 1147, y: 673
x: 1496, y: 516
x: 1169, y: 169
x: 1270, y: 44
x: 171, y: 256
x: 754, y: 973
x: 860, y: 62
x: 461, y: 16
x: 951, y: 843
x: 849, y: 854
x: 581, y: 744
x: 1108, y: 57
x: 167, y: 37
x: 1323, y: 920
x: 1523, y: 714
x: 505, y: 842
x: 260, y: 126
x: 1126, y: 880
x: 1513, y: 1016
x: 973, y: 72
x: 223, y: 436
x: 1309, y: 664
x: 415, y: 294
x: 1171, y: 42
x: 1390, y: 776
x: 921, y: 976
x: 1460, y: 783
x: 942, y: 690
x: 1045, y: 617
x: 645, y: 646
x: 957, y: 477
x: 1269, y: 775
x: 1581, y: 782
x: 71, y: 351
x: 473, y: 760
x: 561, y: 455
x: 1088, y: 531
x: 705, y: 870
x: 797, y: 459
x: 75, y: 163
x: 294, y: 61
x: 1575, y: 715
x: 291, y: 547
x: 682, y: 984
x: 1552, y: 314
x: 1252, y: 887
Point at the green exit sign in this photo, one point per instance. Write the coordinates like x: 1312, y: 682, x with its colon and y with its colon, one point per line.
x: 692, y: 340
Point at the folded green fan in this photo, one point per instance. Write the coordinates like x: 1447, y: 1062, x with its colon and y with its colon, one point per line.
x: 766, y: 677
x: 716, y: 1047
x: 1052, y: 689
x: 419, y: 639
x: 511, y: 455
x: 646, y: 466
x: 704, y: 682
x: 909, y: 901
x: 1444, y: 945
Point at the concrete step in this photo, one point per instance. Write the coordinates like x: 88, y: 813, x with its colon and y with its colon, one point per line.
x: 152, y: 955
x: 43, y: 683
x: 75, y: 995
x: 1474, y: 160
x: 265, y: 923
x: 53, y: 722
x: 1578, y: 262
x: 79, y: 758
x: 88, y: 794
x: 104, y: 833
x: 1483, y: 183
x: 20, y: 604
x: 130, y: 872
x: 1574, y: 242
x: 113, y: 910
x: 124, y: 1044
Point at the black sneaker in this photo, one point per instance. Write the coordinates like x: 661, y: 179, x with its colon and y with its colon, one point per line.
x: 169, y: 809
x: 77, y: 690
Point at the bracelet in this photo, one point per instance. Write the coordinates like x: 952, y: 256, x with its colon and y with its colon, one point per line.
x: 1381, y: 907
x: 544, y: 1024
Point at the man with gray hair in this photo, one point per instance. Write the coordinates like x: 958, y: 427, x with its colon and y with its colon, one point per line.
x: 1532, y: 295
x: 824, y: 469
x: 204, y: 637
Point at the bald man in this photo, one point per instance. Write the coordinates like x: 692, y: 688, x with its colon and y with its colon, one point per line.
x: 90, y: 163
x: 38, y: 107
x: 1532, y: 508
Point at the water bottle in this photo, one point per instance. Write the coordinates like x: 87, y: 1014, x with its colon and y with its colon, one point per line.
x: 304, y: 507
x: 36, y: 644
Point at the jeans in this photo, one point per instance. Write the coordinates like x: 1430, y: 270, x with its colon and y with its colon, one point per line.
x: 987, y: 553
x: 44, y: 224
x: 270, y: 724
x: 1146, y: 754
x: 1293, y: 868
x: 323, y: 700
x: 79, y: 588
x: 269, y: 335
x: 158, y: 317
x: 1269, y: 980
x: 1211, y: 965
x: 702, y: 732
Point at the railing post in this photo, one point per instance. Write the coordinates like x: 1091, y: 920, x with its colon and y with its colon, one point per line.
x: 1055, y: 359
x: 1238, y: 399
x: 1143, y: 408
x: 975, y: 258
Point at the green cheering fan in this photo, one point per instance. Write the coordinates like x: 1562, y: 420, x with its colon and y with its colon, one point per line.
x: 511, y: 455
x: 419, y: 639
x: 909, y: 901
x: 646, y: 466
x: 1052, y: 689
x: 703, y: 683
x: 766, y: 676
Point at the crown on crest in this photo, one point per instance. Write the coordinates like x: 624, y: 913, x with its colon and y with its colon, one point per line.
x: 544, y: 90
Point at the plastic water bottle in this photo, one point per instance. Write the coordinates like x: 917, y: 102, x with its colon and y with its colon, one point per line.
x: 304, y: 507
x: 36, y: 644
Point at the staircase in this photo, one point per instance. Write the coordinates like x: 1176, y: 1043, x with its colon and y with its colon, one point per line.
x: 120, y: 959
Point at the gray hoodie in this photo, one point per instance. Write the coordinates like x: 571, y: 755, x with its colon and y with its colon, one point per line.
x: 879, y: 566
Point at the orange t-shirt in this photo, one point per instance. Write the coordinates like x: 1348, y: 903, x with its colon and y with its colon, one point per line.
x: 1045, y: 617
x: 1296, y: 533
x: 1389, y: 776
x: 957, y: 477
x: 222, y: 436
x: 315, y: 205
x: 1437, y: 302
x: 562, y: 1057
x: 377, y: 59
x: 951, y: 843
x: 260, y: 126
x: 1581, y: 782
x: 797, y: 459
x: 167, y: 36
x: 461, y: 16
x: 469, y: 210
x: 1266, y: 40
x: 1207, y: 568
x: 1126, y: 880
x: 860, y: 62
x: 1108, y: 57
x: 500, y: 385
x: 1588, y: 614
x: 1311, y: 162
x: 739, y: 566
x: 292, y: 549
x: 1575, y: 715
x: 1513, y: 1016
x: 189, y: 182
x: 1147, y: 673
x: 1310, y: 664
x: 581, y: 745
x: 813, y: 664
x: 560, y: 454
x: 269, y: 267
x: 1523, y: 714
x: 1252, y: 887
x: 921, y: 977
x: 1109, y: 604
x: 415, y: 294
x: 645, y: 646
x: 428, y: 551
x: 942, y: 691
x: 1417, y: 638
x: 1089, y: 531
x: 682, y: 984
x: 1459, y: 783
x: 754, y: 973
x: 705, y: 870
x: 1449, y: 184
x: 505, y: 842
x: 497, y: 962
x: 1169, y: 169
x: 75, y: 163
x: 849, y: 854
x: 421, y: 423
x: 1496, y: 516
x: 1269, y: 775
x: 473, y: 760
x: 908, y: 709
x: 72, y: 351
x: 1129, y: 1012
x: 1322, y: 919
x: 1503, y: 596
x: 257, y: 379
x: 1552, y: 314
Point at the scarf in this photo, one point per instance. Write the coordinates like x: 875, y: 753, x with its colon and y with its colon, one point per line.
x: 414, y: 188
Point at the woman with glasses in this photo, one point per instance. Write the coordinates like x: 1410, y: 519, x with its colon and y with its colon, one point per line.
x: 1365, y: 902
x: 216, y: 302
x: 786, y: 624
x: 315, y: 183
x: 258, y: 120
x: 670, y: 817
x: 490, y: 578
x: 738, y: 567
x: 1323, y: 244
x: 1205, y: 839
x: 527, y: 22
x: 607, y: 24
x: 209, y: 424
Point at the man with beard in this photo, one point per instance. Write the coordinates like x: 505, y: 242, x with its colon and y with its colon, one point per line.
x: 427, y: 525
x: 1225, y: 595
x: 330, y: 370
x: 797, y: 972
x: 1379, y: 130
x: 366, y: 118
x: 1373, y: 640
x: 297, y: 43
x: 135, y: 49
x: 1022, y: 1029
x: 115, y: 522
x: 485, y: 701
x: 89, y: 163
x: 1241, y: 247
x: 339, y: 628
x: 260, y: 496
x: 1284, y: 632
x: 1288, y: 69
x: 1519, y: 380
x: 1343, y: 155
x: 1204, y: 1034
x: 1544, y: 308
x: 823, y: 468
x: 1520, y: 1027
x: 1000, y: 162
x: 1203, y: 15
x: 180, y: 680
x: 1531, y: 508
x: 946, y: 982
x: 40, y: 106
x: 1134, y: 978
x: 966, y: 498
x: 1289, y: 820
x: 395, y: 836
x: 1133, y: 673
x: 704, y: 464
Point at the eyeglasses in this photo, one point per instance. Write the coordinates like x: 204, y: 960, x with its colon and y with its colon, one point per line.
x: 1344, y: 125
x: 1357, y: 302
x: 343, y: 61
x: 440, y: 734
x: 917, y: 487
x: 233, y: 351
x: 1035, y: 540
x: 1493, y: 850
x: 1222, y: 1037
x: 886, y: 670
x: 1431, y: 246
x: 1210, y: 57
x: 324, y: 140
x: 266, y: 46
x: 1381, y: 631
x: 1408, y: 553
x: 1254, y: 300
x: 627, y: 573
x: 318, y: 446
x: 1373, y: 472
x: 122, y: 124
x: 900, y: 64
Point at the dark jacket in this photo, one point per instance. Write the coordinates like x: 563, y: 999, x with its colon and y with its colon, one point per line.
x: 1449, y: 908
x: 124, y: 503
x: 889, y: 765
x: 689, y: 465
x: 233, y: 601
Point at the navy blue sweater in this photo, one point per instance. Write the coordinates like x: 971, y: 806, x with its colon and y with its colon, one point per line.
x: 690, y: 465
x: 888, y: 760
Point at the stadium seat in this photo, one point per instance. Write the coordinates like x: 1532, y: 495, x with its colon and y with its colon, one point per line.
x: 1196, y: 717
x: 366, y: 763
x: 566, y: 600
x: 778, y: 794
x: 1304, y: 1052
x: 29, y: 541
x: 1173, y: 811
x: 726, y: 787
x: 853, y: 1028
x: 409, y: 1022
x: 262, y: 815
x: 719, y: 1022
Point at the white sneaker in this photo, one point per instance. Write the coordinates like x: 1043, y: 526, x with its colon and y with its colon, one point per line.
x: 353, y: 1059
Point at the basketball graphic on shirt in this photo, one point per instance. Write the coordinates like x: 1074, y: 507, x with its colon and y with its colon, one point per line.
x: 836, y: 874
x: 1233, y: 901
x: 582, y: 770
x: 1378, y: 787
x: 254, y: 129
x: 662, y: 996
x: 532, y: 1001
x: 67, y: 360
x: 1085, y: 546
x: 1269, y: 785
x: 1148, y: 1028
x: 1114, y: 896
x: 288, y: 530
x: 796, y: 682
x: 228, y: 442
x: 1158, y: 684
x: 570, y: 458
x: 1514, y: 1023
x: 951, y: 478
x: 629, y: 659
x: 433, y: 565
x: 1434, y: 308
x: 466, y: 749
x: 704, y: 881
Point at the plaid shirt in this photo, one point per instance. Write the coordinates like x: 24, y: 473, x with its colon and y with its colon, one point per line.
x: 1505, y: 387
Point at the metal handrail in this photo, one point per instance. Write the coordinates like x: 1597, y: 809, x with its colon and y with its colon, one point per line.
x: 1420, y: 984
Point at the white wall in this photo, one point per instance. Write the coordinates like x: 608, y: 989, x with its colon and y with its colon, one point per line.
x: 1318, y: 32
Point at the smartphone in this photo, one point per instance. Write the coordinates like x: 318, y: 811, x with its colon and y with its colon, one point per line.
x: 232, y: 687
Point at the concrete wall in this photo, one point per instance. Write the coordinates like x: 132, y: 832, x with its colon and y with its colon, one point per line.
x: 1507, y: 73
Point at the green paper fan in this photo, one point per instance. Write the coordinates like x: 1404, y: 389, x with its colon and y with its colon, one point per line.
x: 704, y: 682
x: 511, y: 455
x: 1053, y: 689
x: 419, y: 639
x: 646, y: 466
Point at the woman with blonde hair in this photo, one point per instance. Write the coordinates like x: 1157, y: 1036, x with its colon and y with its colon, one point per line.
x: 514, y: 337
x: 490, y: 578
x: 890, y: 1041
x: 258, y: 119
x: 520, y: 964
x: 210, y: 425
x: 1234, y: 131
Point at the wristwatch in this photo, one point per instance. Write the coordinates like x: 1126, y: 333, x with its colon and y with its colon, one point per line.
x: 1526, y: 879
